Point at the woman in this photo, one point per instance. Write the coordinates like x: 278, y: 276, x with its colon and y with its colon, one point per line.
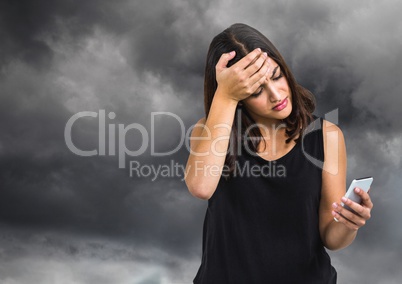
x: 271, y: 210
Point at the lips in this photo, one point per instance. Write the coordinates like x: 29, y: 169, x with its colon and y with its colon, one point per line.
x: 281, y: 105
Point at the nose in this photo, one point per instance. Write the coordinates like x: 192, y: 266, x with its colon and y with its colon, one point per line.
x: 274, y: 95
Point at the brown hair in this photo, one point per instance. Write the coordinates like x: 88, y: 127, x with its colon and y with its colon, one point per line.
x: 244, y: 39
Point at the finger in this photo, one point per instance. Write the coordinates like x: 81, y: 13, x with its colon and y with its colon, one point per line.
x: 356, y: 207
x: 340, y: 219
x: 249, y: 58
x: 366, y: 200
x: 256, y: 65
x: 260, y: 76
x: 258, y: 79
x: 358, y: 218
x: 224, y: 60
x: 343, y: 211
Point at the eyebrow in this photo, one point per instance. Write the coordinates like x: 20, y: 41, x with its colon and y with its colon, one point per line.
x: 273, y: 72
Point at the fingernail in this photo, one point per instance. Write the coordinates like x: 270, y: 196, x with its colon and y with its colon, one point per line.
x: 265, y: 54
x: 334, y: 205
x: 259, y: 49
x: 232, y: 53
x: 333, y: 213
x: 357, y: 190
x: 344, y: 199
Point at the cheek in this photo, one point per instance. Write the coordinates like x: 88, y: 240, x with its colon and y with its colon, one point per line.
x: 284, y: 86
x: 256, y: 103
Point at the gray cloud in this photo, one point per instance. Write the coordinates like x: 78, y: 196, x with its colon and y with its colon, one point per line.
x: 68, y: 259
x: 133, y: 58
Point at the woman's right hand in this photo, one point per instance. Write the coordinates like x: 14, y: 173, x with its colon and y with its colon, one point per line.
x: 243, y: 78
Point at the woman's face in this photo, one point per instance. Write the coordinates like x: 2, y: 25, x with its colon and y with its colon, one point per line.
x: 273, y: 100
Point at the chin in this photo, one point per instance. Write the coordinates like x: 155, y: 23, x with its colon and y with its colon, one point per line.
x: 271, y: 114
x: 283, y: 114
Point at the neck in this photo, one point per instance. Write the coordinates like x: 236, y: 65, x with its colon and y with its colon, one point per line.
x: 272, y: 128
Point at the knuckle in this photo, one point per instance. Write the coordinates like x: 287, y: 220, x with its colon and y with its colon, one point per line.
x: 249, y: 91
x: 236, y: 69
x: 243, y: 86
x: 258, y: 62
x: 242, y: 78
x: 353, y: 226
x: 262, y: 71
x: 247, y: 60
x: 256, y: 65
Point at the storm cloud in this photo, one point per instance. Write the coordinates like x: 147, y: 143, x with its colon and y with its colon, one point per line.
x: 65, y: 218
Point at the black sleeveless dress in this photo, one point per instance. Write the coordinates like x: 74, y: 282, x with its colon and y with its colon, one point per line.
x: 261, y: 226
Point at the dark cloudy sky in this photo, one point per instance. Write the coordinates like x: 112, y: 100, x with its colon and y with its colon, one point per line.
x: 71, y: 219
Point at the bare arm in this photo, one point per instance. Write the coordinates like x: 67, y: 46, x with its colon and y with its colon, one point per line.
x: 210, y: 140
x: 337, y: 235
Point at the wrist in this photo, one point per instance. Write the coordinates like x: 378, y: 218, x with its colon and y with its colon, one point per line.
x: 338, y: 236
x: 225, y: 98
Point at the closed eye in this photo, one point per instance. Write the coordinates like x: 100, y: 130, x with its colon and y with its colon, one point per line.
x: 277, y: 78
x: 258, y: 93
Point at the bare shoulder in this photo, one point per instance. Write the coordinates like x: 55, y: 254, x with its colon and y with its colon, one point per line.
x: 334, y: 149
x: 329, y: 126
x: 332, y: 133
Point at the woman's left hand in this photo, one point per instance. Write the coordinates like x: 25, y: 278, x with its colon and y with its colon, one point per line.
x: 357, y: 219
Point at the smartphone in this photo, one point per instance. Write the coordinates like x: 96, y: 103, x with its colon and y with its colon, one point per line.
x: 362, y: 183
